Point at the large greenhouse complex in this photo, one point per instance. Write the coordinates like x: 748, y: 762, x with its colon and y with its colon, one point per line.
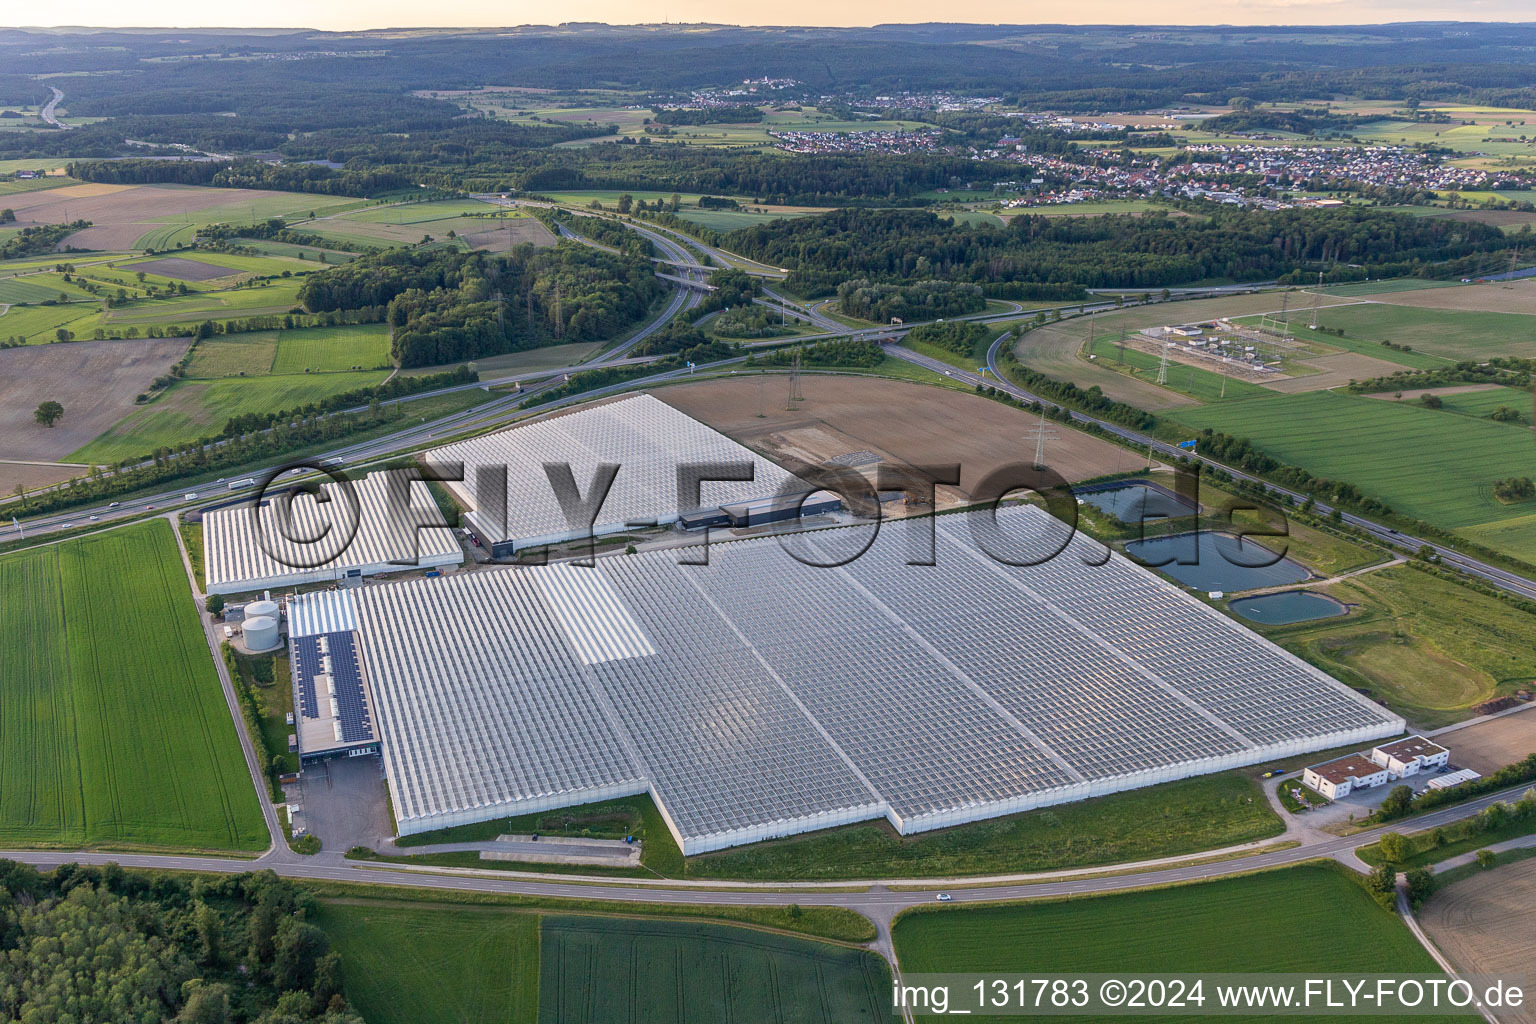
x: 762, y: 696
x: 646, y: 438
x: 247, y: 548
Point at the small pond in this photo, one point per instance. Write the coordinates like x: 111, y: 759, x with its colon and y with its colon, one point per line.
x: 1287, y: 607
x: 1217, y: 561
x: 1133, y: 502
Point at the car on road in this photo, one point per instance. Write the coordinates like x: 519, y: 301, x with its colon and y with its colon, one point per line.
x: 66, y: 526
x: 115, y: 504
x: 945, y: 897
x: 95, y: 519
x: 190, y: 496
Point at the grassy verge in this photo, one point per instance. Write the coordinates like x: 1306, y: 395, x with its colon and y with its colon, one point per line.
x: 1432, y: 846
x: 1187, y: 816
x: 192, y: 540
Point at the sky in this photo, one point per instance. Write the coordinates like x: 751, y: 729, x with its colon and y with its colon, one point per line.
x: 363, y: 14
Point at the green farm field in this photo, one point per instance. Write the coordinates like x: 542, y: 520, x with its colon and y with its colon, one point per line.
x: 37, y: 288
x: 604, y: 970
x: 234, y: 355
x: 436, y: 964
x: 192, y: 409
x: 113, y: 730
x: 1310, y: 918
x: 328, y: 349
x: 1433, y: 465
x: 1451, y: 334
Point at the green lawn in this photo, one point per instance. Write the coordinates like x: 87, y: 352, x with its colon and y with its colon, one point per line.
x: 192, y: 409
x: 1453, y: 334
x: 1422, y: 462
x: 113, y: 728
x: 328, y: 349
x: 434, y: 964
x: 611, y: 970
x: 1174, y: 818
x: 1426, y: 647
x: 1310, y: 918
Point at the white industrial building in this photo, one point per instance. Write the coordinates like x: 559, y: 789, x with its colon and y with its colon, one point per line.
x: 644, y: 436
x: 244, y: 552
x: 1410, y: 755
x: 1343, y: 775
x: 760, y: 697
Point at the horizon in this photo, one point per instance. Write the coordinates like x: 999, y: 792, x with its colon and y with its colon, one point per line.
x: 182, y: 15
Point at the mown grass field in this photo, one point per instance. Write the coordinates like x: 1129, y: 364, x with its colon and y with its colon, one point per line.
x: 1452, y: 334
x: 113, y: 728
x: 610, y: 970
x: 1304, y: 919
x: 1426, y: 647
x: 37, y: 288
x: 234, y: 355
x: 192, y: 409
x: 1430, y: 464
x: 1174, y: 818
x: 437, y: 964
x: 330, y: 349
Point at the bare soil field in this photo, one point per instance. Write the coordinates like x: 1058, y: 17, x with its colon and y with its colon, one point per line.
x: 119, y: 214
x: 178, y: 269
x: 95, y: 381
x: 1497, y: 297
x: 502, y: 235
x: 1489, y: 746
x: 900, y: 421
x: 1484, y: 925
x: 1337, y: 370
x: 34, y: 474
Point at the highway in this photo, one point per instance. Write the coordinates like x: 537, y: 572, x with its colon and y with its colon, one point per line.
x: 47, y: 112
x: 680, y: 254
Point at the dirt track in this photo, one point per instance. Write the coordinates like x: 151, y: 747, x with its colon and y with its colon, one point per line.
x: 1485, y: 925
x: 95, y: 381
x: 901, y: 421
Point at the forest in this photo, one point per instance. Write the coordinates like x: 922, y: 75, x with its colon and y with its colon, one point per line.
x: 445, y: 306
x: 1126, y: 251
x: 103, y: 944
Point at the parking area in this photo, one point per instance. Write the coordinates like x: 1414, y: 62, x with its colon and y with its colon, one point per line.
x: 345, y: 803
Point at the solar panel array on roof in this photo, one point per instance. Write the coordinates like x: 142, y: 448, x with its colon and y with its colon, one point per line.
x: 330, y: 693
x: 244, y: 553
x: 644, y: 436
x: 777, y: 697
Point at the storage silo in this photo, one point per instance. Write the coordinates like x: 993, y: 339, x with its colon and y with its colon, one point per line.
x: 261, y: 633
x: 263, y: 609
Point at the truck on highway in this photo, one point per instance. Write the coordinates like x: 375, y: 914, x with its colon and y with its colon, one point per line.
x: 235, y: 485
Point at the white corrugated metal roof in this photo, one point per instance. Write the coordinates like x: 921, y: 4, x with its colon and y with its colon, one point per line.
x: 644, y: 436
x: 246, y: 550
x: 321, y: 611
